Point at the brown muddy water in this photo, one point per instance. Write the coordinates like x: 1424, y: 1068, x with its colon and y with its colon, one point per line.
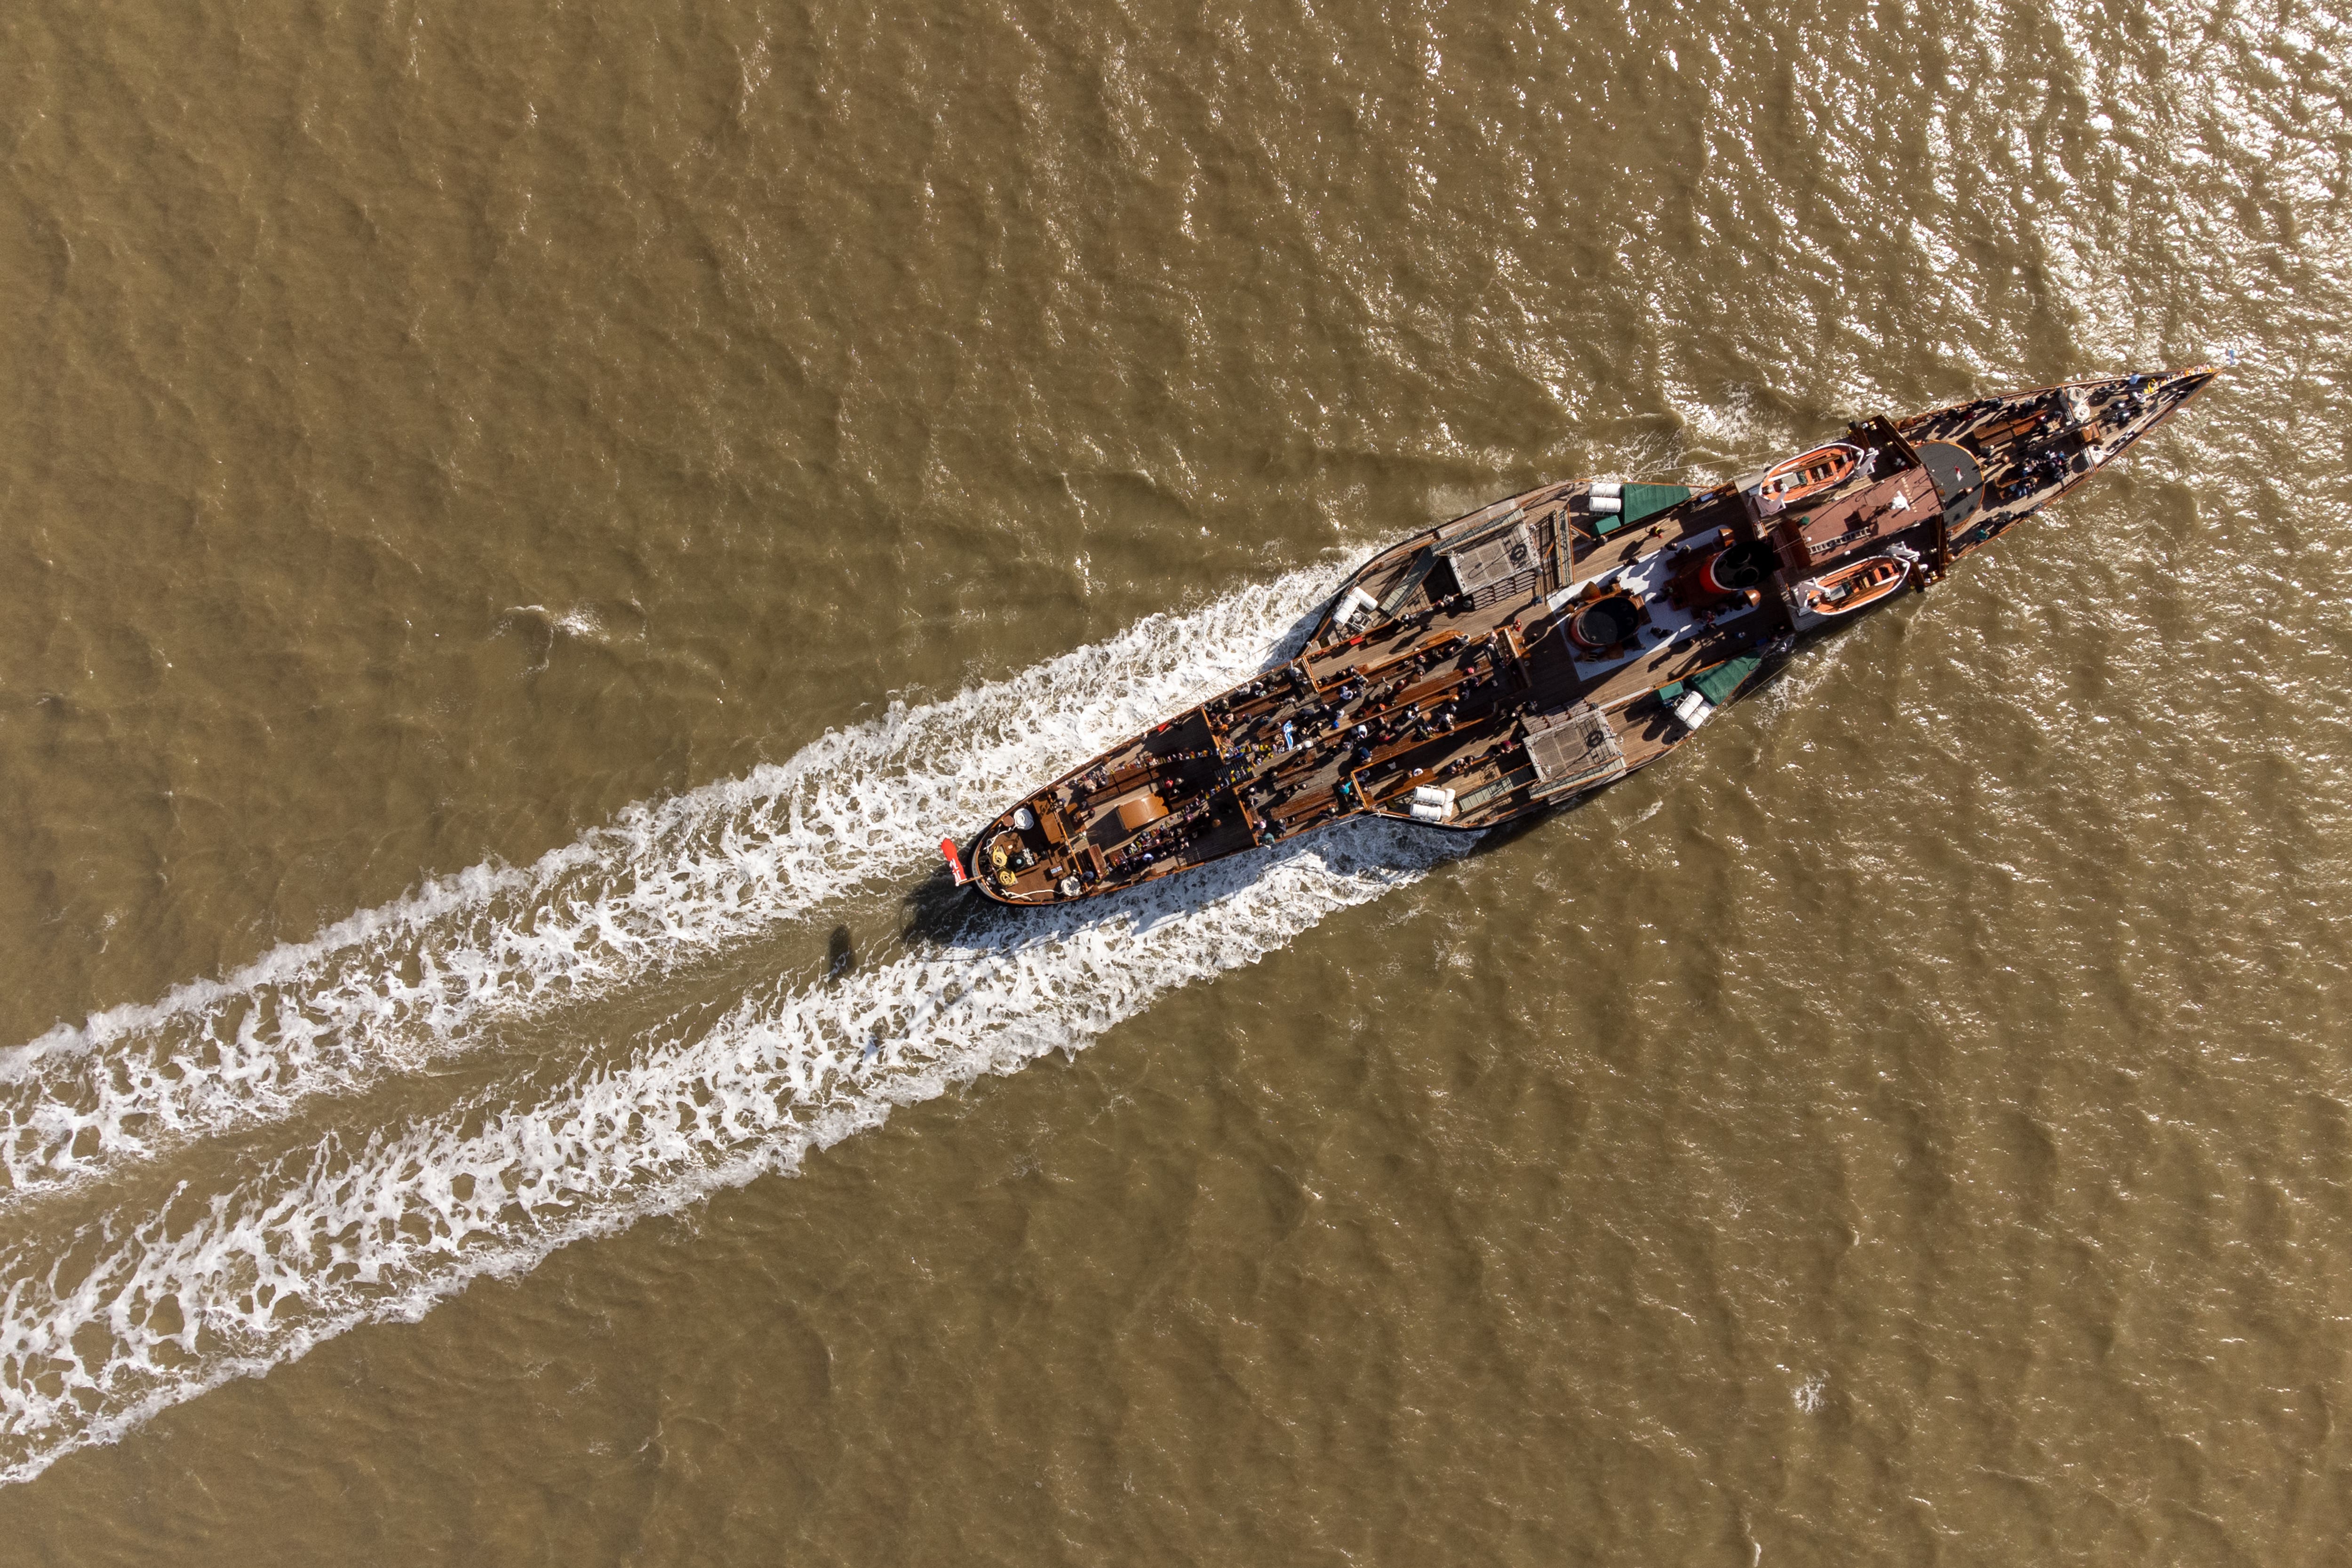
x: 522, y: 526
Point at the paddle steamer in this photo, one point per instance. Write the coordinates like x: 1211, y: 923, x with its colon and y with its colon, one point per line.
x: 1547, y: 644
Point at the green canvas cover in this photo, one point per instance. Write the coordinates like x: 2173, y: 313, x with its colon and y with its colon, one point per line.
x: 1641, y: 501
x: 1717, y: 684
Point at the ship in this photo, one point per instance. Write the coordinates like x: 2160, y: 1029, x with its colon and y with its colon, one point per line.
x: 1518, y: 657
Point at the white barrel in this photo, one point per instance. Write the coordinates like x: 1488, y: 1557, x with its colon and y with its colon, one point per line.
x: 1422, y: 811
x: 1023, y: 818
x: 1597, y: 502
x: 1693, y: 710
x: 1607, y: 487
x: 1356, y: 603
x: 1430, y: 795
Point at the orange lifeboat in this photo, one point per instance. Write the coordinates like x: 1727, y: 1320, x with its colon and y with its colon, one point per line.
x: 1797, y: 478
x: 1850, y: 587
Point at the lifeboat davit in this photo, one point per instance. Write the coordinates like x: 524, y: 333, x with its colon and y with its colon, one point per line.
x: 1794, y: 478
x: 1850, y: 587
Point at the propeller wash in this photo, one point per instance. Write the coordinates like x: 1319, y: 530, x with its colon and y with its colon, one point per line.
x: 172, y: 1285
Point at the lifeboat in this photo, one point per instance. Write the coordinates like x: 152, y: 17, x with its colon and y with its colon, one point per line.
x: 1850, y: 587
x: 1794, y: 478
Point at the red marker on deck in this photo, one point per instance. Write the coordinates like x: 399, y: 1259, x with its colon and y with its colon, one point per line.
x: 955, y: 861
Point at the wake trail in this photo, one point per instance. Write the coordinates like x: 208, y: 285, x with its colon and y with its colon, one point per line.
x: 143, y: 1307
x: 666, y: 884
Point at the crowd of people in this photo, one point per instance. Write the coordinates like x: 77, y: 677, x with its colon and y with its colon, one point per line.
x: 1142, y: 851
x: 1288, y: 744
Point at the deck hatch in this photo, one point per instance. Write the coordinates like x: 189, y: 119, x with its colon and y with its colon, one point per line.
x: 1573, y: 749
x: 1477, y: 799
x: 1498, y: 559
x: 1409, y: 580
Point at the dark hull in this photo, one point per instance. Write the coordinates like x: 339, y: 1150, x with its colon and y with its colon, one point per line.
x: 1531, y: 651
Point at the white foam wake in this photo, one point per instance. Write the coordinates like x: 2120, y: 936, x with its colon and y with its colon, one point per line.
x: 666, y: 884
x: 215, y: 1286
